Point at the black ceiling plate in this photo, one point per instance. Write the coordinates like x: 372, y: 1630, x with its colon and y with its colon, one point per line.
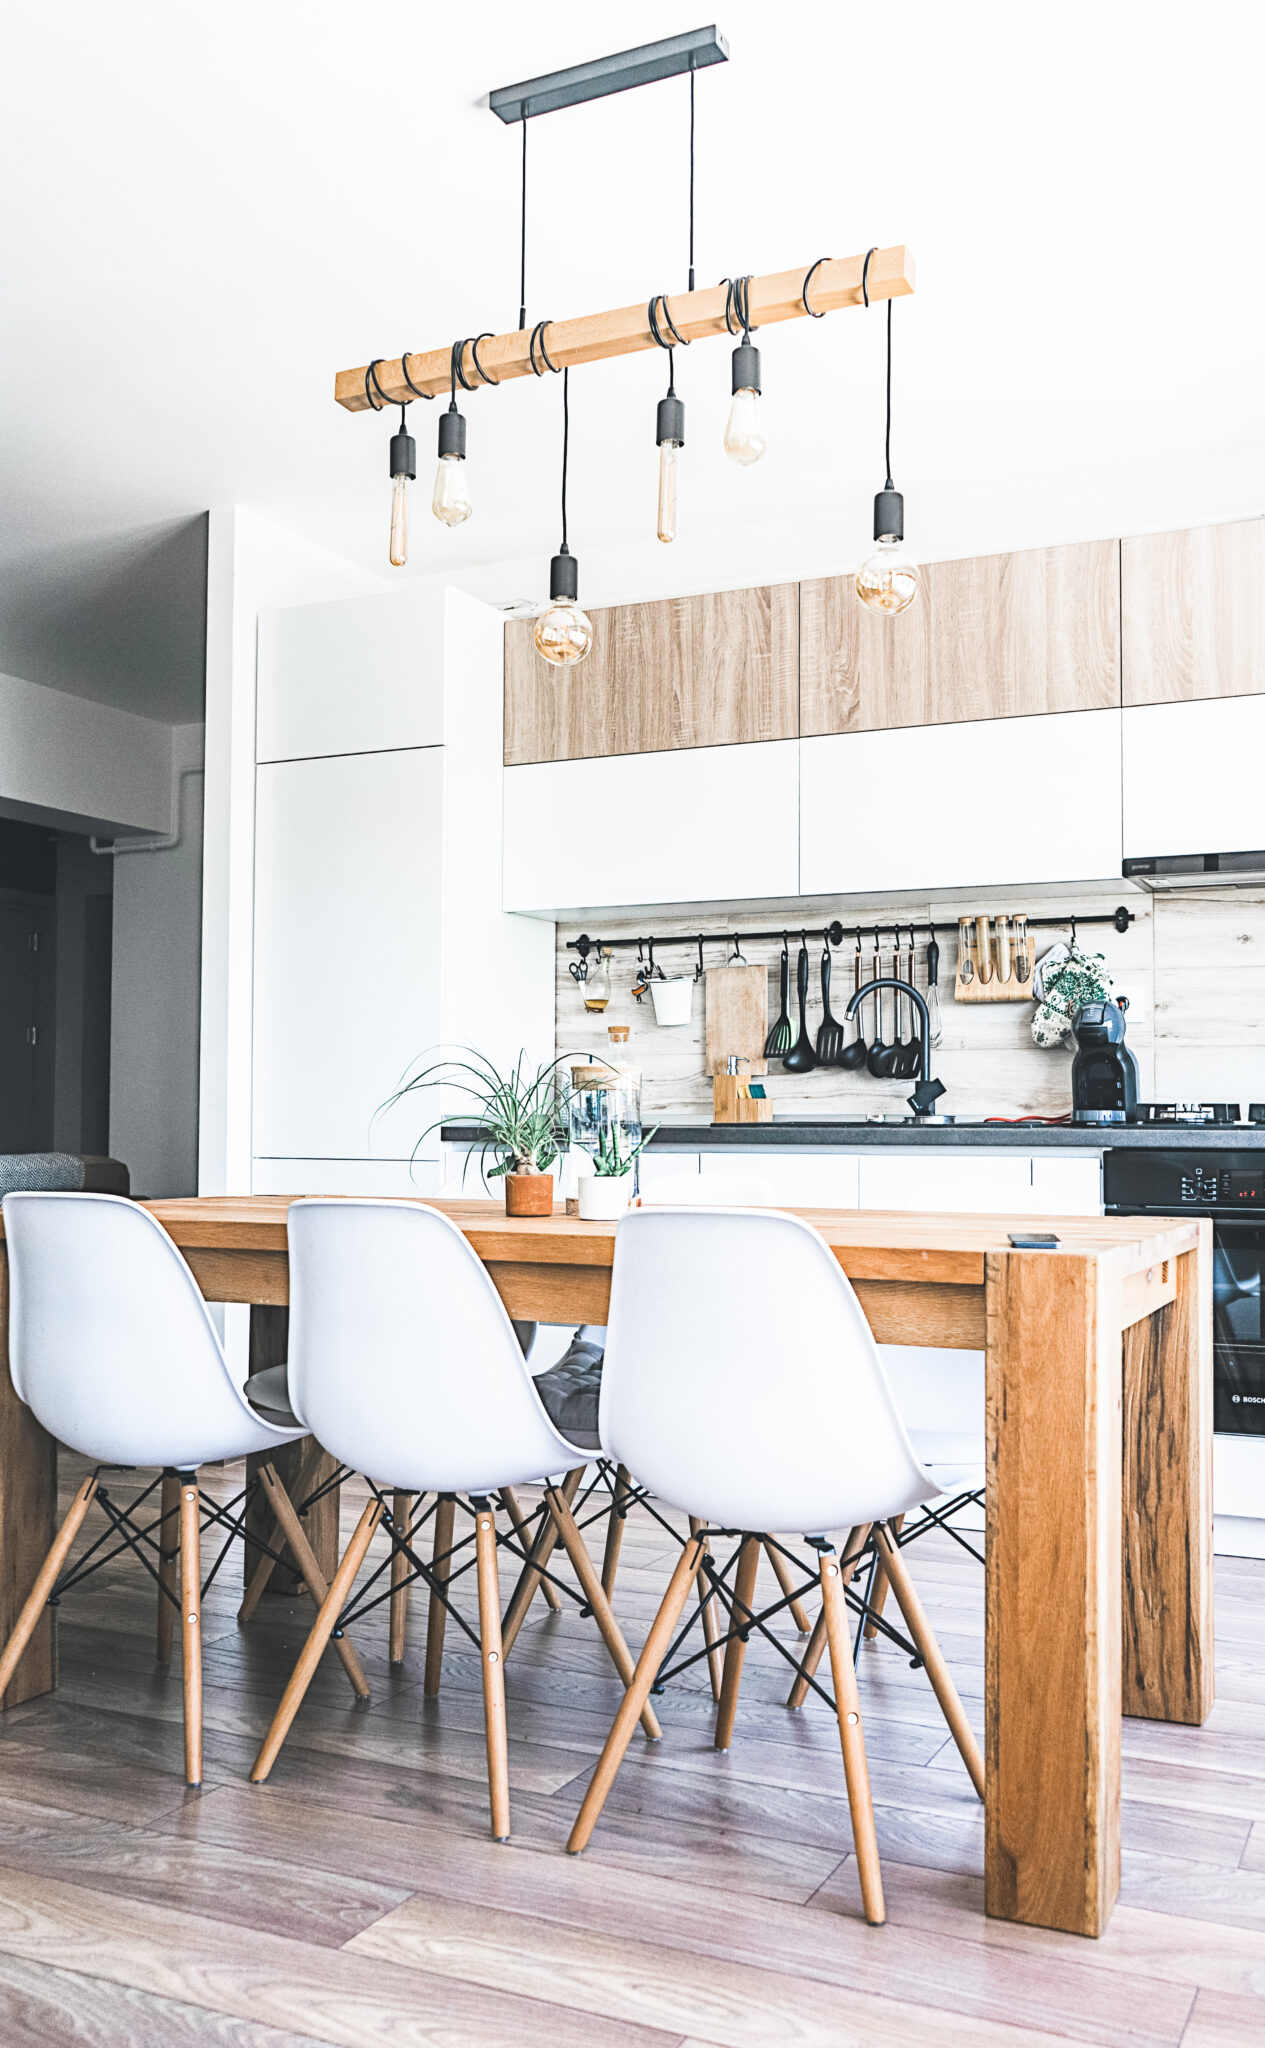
x: 644, y: 66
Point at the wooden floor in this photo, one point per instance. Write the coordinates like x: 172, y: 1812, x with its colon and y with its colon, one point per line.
x: 357, y: 1898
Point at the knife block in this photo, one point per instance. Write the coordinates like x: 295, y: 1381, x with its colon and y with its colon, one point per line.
x: 732, y: 1102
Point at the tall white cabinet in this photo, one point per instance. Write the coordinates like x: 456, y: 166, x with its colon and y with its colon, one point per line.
x: 379, y: 933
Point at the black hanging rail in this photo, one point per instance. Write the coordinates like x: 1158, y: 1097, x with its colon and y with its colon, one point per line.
x: 836, y: 932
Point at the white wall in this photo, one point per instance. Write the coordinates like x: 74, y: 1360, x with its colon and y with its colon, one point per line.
x: 251, y: 566
x: 155, y: 994
x: 94, y: 767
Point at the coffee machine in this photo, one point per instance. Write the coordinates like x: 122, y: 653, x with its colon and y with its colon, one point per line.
x: 1104, y: 1072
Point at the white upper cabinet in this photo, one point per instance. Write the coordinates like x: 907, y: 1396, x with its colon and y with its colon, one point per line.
x: 347, y: 951
x: 1192, y: 777
x: 689, y: 826
x: 355, y: 677
x: 972, y: 805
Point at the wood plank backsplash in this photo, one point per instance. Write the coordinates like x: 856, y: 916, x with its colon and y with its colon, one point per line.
x: 1193, y: 969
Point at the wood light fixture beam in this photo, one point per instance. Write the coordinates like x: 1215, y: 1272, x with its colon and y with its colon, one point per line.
x: 594, y: 337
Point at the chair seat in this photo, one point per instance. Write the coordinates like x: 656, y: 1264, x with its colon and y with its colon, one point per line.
x: 570, y: 1391
x: 952, y: 1458
x: 269, y: 1395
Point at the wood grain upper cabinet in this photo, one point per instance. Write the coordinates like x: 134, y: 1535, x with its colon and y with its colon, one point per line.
x: 1193, y: 613
x: 997, y: 636
x: 688, y: 672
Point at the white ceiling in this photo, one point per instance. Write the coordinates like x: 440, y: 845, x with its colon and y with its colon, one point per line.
x: 211, y: 209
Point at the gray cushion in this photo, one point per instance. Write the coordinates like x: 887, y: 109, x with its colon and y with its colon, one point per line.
x: 570, y: 1391
x: 40, y: 1173
x: 269, y: 1393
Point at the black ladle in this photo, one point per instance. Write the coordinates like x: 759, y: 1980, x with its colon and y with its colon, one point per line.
x: 855, y: 1054
x: 907, y: 1066
x: 801, y: 1059
x: 830, y: 1035
x: 882, y: 1058
x: 778, y: 1042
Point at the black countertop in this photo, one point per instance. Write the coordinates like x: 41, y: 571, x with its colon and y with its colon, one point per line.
x: 840, y: 1134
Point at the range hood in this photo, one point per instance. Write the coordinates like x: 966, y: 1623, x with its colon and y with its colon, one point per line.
x: 1163, y: 871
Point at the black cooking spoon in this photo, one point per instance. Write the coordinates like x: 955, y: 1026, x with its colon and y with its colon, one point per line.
x: 855, y: 1054
x: 801, y: 1059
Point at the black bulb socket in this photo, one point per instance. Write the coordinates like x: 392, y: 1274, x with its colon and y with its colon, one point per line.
x: 671, y: 421
x: 889, y: 515
x: 452, y: 434
x: 403, y: 455
x: 564, y: 578
x: 746, y: 367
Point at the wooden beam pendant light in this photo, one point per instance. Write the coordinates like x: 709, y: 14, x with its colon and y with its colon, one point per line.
x: 595, y: 337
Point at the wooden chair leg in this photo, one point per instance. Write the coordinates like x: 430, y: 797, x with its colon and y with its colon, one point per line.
x: 852, y: 1739
x: 735, y: 1648
x: 493, y: 1661
x: 437, y: 1613
x: 168, y: 1564
x: 781, y: 1572
x: 46, y: 1579
x: 313, y: 1458
x: 529, y: 1578
x: 929, y: 1650
x: 509, y: 1501
x: 402, y: 1522
x: 322, y: 1628
x: 191, y: 1624
x: 591, y: 1587
x: 614, y: 1531
x: 287, y: 1521
x: 817, y: 1643
x: 707, y: 1604
x: 877, y: 1598
x: 638, y: 1692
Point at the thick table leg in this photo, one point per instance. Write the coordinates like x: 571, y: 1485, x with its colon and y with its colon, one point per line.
x: 269, y: 1336
x: 28, y: 1510
x: 1168, y: 1502
x: 1052, y: 1856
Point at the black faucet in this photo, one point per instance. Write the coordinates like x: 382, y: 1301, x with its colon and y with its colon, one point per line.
x: 926, y: 1090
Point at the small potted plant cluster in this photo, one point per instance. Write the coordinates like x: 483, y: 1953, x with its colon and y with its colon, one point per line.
x: 520, y: 1117
x: 606, y: 1192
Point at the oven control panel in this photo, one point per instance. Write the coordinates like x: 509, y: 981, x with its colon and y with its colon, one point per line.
x: 1168, y: 1182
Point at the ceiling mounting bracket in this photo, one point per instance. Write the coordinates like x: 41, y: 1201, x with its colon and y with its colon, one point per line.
x: 604, y: 75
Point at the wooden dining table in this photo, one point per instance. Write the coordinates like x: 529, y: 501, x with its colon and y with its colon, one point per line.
x: 1099, y: 1475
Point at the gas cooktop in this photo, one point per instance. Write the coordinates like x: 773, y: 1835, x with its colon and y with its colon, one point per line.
x: 1199, y: 1113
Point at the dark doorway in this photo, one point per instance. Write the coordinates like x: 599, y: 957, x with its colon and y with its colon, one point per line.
x: 27, y: 1020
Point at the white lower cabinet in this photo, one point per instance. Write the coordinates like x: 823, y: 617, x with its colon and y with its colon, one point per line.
x: 802, y: 1180
x: 1192, y: 781
x: 981, y: 804
x: 694, y: 825
x: 950, y: 1182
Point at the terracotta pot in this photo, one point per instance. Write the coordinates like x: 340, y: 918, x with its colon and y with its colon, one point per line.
x: 529, y: 1194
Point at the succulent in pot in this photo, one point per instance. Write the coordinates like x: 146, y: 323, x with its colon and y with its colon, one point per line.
x: 605, y: 1193
x: 520, y: 1115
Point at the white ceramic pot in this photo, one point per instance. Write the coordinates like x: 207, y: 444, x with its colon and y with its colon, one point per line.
x: 604, y: 1196
x: 672, y: 999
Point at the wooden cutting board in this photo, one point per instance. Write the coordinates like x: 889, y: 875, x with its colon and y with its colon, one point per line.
x: 737, y: 1017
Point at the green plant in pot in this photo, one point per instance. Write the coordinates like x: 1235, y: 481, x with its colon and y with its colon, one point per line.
x: 607, y: 1191
x: 520, y: 1115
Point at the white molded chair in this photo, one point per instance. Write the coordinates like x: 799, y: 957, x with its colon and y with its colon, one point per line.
x: 405, y: 1366
x: 743, y: 1385
x: 111, y: 1345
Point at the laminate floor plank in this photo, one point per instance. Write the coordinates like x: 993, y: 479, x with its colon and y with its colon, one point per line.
x: 1223, y: 2019
x: 45, y: 2007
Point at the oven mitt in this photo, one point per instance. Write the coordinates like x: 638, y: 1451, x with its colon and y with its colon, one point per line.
x: 1064, y: 979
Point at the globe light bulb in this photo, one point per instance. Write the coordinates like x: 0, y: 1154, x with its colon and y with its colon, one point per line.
x: 744, y: 438
x: 450, y: 500
x: 564, y: 634
x: 403, y: 471
x: 670, y: 434
x: 888, y: 579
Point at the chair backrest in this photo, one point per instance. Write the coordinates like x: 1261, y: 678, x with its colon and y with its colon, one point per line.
x: 708, y: 1190
x: 110, y: 1341
x: 741, y: 1380
x: 403, y: 1361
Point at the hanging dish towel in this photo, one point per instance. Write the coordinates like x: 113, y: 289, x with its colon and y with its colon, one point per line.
x: 1064, y: 979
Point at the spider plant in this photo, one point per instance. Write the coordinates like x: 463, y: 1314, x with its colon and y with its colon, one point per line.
x: 520, y: 1113
x: 610, y: 1161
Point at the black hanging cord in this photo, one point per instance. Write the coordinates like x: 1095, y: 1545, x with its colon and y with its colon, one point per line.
x: 522, y: 243
x: 691, y: 177
x: 803, y: 297
x: 887, y: 437
x: 566, y: 437
x: 538, y: 342
x: 371, y: 377
x: 457, y: 362
x: 658, y: 312
x: 738, y: 305
x: 409, y: 381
